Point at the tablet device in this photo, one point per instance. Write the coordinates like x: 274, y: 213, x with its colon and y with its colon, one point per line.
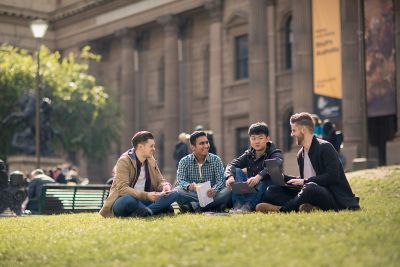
x: 276, y: 174
x: 243, y: 188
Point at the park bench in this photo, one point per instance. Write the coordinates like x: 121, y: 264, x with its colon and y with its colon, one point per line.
x: 57, y: 198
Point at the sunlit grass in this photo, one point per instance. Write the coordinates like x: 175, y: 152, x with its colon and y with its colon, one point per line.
x: 369, y: 237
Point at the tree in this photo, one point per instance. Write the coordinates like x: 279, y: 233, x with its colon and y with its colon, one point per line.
x: 83, y: 112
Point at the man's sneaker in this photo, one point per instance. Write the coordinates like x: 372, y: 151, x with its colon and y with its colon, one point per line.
x: 307, y: 207
x: 143, y: 212
x: 185, y: 208
x: 169, y: 210
x: 267, y: 207
x: 240, y: 209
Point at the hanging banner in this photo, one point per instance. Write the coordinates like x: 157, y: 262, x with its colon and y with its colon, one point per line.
x: 327, y: 58
x: 380, y: 67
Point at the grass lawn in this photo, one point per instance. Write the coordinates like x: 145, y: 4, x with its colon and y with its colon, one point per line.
x: 370, y: 237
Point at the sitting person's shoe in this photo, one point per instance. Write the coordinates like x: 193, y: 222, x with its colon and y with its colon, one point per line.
x: 246, y: 208
x: 185, y: 208
x: 195, y: 207
x: 170, y: 210
x: 307, y: 207
x: 267, y: 207
x: 235, y: 209
x: 143, y: 212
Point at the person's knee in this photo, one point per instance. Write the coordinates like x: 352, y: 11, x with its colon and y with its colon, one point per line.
x: 224, y: 194
x: 270, y: 193
x: 240, y: 176
x: 130, y: 202
x: 183, y: 196
x: 124, y: 205
x: 310, y: 188
x: 173, y: 195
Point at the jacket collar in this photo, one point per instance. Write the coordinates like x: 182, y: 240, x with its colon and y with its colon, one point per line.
x: 132, y: 156
x: 314, y: 144
x: 270, y: 148
x: 207, y: 159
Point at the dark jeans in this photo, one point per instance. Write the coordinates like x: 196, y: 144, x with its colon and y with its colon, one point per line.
x: 291, y: 199
x: 127, y: 205
x: 250, y: 199
x: 221, y: 199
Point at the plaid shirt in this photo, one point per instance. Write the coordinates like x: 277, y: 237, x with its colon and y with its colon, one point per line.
x: 212, y: 170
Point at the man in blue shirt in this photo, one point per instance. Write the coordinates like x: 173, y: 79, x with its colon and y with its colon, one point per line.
x: 200, y: 167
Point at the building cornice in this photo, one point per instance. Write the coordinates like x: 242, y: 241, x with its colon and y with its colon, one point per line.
x: 24, y: 13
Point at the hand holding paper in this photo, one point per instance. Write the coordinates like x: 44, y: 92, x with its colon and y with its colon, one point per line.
x: 202, y: 195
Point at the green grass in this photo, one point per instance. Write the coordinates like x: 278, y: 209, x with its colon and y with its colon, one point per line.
x: 369, y: 237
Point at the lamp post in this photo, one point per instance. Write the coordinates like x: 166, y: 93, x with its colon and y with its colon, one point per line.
x: 38, y: 28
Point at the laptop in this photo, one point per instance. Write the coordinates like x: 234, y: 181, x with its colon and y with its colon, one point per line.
x: 276, y: 174
x: 243, y: 188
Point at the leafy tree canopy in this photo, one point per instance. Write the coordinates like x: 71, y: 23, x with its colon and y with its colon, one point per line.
x: 83, y: 112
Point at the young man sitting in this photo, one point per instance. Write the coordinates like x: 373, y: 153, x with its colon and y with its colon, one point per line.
x: 138, y: 188
x: 200, y: 167
x: 322, y: 180
x: 253, y: 160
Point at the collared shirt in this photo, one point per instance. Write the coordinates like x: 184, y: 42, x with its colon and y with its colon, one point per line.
x: 308, y: 168
x: 190, y: 171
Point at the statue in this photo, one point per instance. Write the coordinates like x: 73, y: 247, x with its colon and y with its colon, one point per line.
x: 23, y: 139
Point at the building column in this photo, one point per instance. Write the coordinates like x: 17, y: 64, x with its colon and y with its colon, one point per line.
x: 273, y: 99
x: 302, y: 70
x: 393, y: 147
x: 127, y: 87
x: 302, y: 57
x: 258, y: 62
x: 215, y: 71
x: 171, y: 104
x: 137, y: 68
x: 354, y: 101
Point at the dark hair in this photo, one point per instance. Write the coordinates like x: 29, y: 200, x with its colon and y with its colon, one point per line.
x: 141, y: 137
x: 195, y: 135
x: 327, y: 127
x: 303, y: 119
x: 2, y: 165
x: 258, y: 128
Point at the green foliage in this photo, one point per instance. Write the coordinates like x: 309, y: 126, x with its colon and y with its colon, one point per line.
x: 83, y: 112
x: 369, y: 237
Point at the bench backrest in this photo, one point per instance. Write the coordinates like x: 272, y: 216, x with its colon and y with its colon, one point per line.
x: 56, y: 198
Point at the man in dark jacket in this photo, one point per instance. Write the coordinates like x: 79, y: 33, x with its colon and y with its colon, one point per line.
x: 322, y: 180
x: 253, y: 160
x: 35, y: 188
x: 181, y: 148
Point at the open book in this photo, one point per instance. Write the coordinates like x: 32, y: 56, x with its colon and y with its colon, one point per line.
x: 201, y: 190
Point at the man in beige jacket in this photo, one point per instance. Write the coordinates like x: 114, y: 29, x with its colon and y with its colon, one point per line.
x: 138, y: 188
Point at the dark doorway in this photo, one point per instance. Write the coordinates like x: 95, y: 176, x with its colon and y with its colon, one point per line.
x: 380, y: 130
x: 242, y: 140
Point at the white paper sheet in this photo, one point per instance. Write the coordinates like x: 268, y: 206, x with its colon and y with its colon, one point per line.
x: 201, y: 190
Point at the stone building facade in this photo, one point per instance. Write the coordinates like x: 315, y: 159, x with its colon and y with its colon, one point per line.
x: 174, y: 64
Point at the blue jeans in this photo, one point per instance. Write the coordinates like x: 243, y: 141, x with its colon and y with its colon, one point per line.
x: 221, y: 199
x: 251, y: 199
x: 127, y: 205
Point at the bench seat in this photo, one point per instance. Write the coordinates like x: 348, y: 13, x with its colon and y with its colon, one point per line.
x: 57, y: 198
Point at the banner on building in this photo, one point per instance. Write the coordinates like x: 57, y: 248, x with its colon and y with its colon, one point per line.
x: 327, y: 58
x: 379, y: 37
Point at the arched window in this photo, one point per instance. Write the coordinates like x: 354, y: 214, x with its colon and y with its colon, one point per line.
x: 288, y: 43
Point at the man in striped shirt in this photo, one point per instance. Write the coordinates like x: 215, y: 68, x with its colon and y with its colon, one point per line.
x: 199, y: 167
